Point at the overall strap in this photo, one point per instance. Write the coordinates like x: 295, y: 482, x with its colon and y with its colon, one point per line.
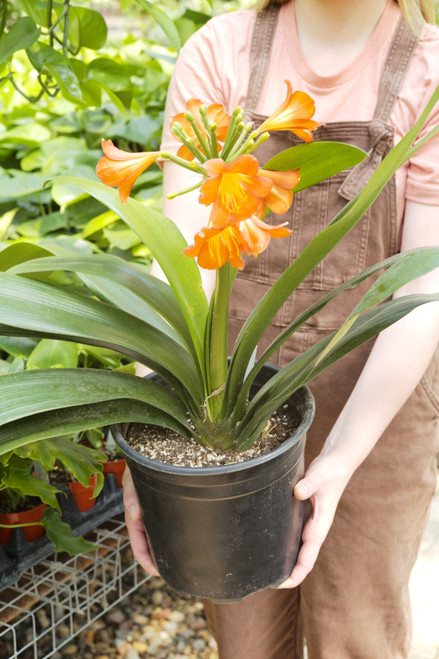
x: 262, y: 41
x: 395, y: 69
x: 381, y: 132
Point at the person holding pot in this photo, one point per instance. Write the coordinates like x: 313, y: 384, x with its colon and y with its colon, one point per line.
x: 370, y: 66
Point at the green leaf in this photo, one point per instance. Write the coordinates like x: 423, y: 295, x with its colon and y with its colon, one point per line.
x: 43, y: 225
x: 32, y: 392
x: 6, y: 221
x: 317, y: 161
x: 53, y: 354
x: 11, y: 365
x: 61, y: 535
x: 109, y: 73
x: 72, y: 420
x: 87, y: 28
x: 121, y: 283
x: 401, y: 268
x: 51, y: 312
x: 47, y: 60
x: 18, y: 477
x: 22, y: 34
x: 181, y: 272
x: 165, y: 23
x: 17, y: 346
x: 32, y: 134
x: 308, y: 365
x: 409, y: 266
x: 121, y: 237
x: 79, y: 460
x: 20, y: 252
x: 37, y: 10
x: 20, y: 184
x: 98, y: 223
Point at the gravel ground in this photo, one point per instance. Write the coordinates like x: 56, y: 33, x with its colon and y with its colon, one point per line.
x: 152, y: 622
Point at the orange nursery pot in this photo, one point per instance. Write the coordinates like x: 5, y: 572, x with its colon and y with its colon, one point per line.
x: 26, y: 517
x: 82, y: 494
x: 116, y: 467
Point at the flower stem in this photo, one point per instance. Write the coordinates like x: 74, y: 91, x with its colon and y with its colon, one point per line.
x: 189, y: 143
x: 214, y: 141
x: 197, y: 131
x: 238, y: 147
x: 218, y: 340
x: 191, y: 165
x: 234, y: 126
x: 181, y: 192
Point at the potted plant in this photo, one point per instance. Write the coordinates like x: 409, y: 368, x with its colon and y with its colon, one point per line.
x: 29, y: 499
x: 171, y: 328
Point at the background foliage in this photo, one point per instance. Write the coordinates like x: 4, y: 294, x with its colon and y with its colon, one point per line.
x: 71, y: 73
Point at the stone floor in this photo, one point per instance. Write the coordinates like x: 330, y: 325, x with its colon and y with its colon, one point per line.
x: 424, y: 587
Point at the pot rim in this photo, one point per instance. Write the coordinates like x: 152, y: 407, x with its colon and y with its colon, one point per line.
x: 308, y: 410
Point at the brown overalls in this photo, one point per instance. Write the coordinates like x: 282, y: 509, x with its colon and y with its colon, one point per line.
x: 355, y: 602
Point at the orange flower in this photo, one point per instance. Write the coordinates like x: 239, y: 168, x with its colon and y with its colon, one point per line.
x: 293, y: 114
x: 236, y: 190
x: 256, y: 234
x: 215, y: 115
x: 214, y: 247
x: 120, y: 169
x: 280, y: 197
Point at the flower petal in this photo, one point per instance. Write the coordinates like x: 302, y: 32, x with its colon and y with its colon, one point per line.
x: 294, y: 114
x: 280, y: 196
x: 256, y: 234
x: 214, y: 247
x: 236, y: 189
x: 121, y: 169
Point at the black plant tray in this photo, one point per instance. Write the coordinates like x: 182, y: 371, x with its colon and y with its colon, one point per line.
x: 19, y: 554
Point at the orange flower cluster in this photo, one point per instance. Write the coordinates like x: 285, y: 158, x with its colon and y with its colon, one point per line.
x: 240, y: 192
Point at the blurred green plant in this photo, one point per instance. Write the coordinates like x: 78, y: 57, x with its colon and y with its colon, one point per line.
x: 24, y: 477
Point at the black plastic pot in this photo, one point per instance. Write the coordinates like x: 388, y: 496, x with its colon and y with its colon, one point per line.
x: 225, y: 532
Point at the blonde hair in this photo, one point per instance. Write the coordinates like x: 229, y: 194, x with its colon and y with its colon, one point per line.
x: 415, y: 12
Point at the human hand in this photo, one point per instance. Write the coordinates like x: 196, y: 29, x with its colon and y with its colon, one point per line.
x: 323, y: 485
x: 136, y: 530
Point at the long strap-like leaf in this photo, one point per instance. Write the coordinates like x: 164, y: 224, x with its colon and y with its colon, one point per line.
x: 315, y: 252
x: 27, y: 393
x: 166, y: 244
x: 115, y: 279
x: 307, y: 366
x: 76, y: 419
x: 402, y: 268
x: 54, y: 313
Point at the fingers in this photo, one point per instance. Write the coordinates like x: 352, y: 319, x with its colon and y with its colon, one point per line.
x: 323, y: 491
x: 136, y: 530
x: 314, y: 533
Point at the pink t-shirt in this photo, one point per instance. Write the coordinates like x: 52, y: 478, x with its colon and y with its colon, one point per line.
x: 214, y: 66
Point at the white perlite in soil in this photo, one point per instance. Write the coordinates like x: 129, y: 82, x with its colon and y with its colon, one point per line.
x: 165, y: 445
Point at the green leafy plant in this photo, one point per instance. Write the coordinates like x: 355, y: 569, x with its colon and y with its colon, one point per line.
x: 171, y: 327
x: 24, y: 475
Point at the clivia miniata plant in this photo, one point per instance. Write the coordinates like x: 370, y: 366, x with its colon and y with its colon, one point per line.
x: 171, y: 327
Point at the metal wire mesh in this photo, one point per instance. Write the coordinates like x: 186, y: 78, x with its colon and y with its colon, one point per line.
x: 67, y: 592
